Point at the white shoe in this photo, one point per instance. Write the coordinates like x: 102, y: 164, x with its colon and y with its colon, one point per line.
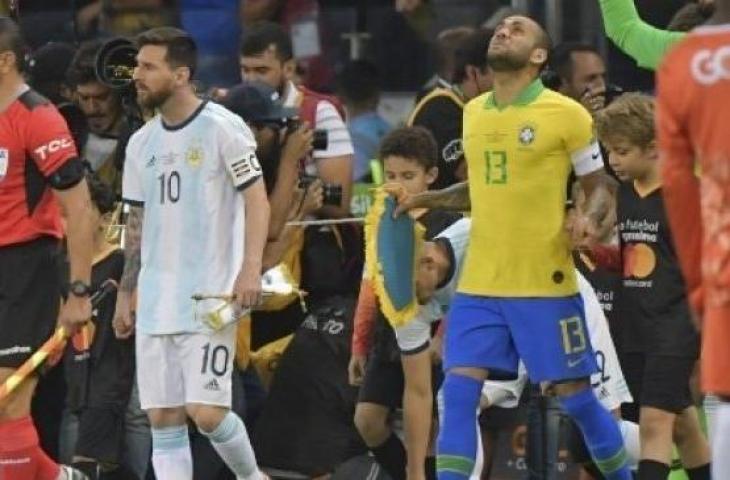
x: 70, y: 473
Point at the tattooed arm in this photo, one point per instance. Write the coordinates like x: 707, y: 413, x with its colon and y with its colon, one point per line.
x: 454, y: 198
x: 599, y: 214
x: 123, y: 316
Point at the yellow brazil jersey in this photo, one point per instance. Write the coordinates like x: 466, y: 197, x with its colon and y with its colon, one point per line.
x: 520, y: 157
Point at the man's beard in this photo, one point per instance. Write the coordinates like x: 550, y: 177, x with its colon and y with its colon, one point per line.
x: 504, y: 62
x: 154, y: 100
x: 103, y: 124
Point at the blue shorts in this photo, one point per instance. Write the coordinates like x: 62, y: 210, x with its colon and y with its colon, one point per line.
x: 548, y: 334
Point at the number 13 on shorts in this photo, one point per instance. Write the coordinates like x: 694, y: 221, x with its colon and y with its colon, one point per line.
x: 574, y: 335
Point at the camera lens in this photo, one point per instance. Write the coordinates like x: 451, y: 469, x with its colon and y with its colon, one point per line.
x: 332, y: 194
x: 320, y: 140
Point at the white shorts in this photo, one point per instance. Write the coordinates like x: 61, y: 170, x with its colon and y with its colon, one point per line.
x: 415, y: 336
x: 179, y: 369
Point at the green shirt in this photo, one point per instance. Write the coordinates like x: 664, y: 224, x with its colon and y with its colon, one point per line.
x: 639, y: 40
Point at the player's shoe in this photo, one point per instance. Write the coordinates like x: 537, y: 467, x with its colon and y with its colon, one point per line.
x: 71, y: 473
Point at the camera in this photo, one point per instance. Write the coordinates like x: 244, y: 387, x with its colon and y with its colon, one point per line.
x: 320, y: 140
x: 114, y: 67
x: 331, y: 193
x: 115, y: 63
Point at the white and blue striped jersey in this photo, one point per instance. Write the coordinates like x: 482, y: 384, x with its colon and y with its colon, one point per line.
x: 188, y: 178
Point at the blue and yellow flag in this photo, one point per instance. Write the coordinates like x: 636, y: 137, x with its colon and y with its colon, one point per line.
x: 392, y: 249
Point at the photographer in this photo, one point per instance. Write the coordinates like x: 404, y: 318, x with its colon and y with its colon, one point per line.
x: 281, y: 143
x: 580, y: 73
x: 267, y: 56
x: 101, y: 105
x: 279, y: 149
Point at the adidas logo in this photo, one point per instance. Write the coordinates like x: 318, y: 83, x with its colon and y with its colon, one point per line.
x: 212, y: 385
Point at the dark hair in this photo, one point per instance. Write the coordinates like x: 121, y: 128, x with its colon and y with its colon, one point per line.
x: 259, y: 37
x: 82, y: 68
x: 11, y: 39
x: 413, y: 143
x: 181, y: 48
x: 359, y: 83
x: 562, y: 57
x: 688, y: 17
x: 446, y: 44
x: 102, y: 195
x: 471, y: 50
x: 630, y: 117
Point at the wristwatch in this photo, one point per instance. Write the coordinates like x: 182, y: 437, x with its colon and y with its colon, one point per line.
x: 79, y: 289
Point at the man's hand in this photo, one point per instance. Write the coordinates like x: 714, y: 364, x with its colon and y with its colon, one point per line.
x: 75, y: 312
x: 313, y: 198
x: 247, y: 288
x: 298, y: 143
x: 584, y: 232
x: 356, y: 370
x: 124, y: 318
x: 405, y: 200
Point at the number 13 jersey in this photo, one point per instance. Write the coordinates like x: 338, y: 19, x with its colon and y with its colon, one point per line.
x: 188, y: 179
x: 519, y: 158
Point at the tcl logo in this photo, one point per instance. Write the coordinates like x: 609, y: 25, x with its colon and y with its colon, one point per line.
x: 53, y: 146
x: 711, y: 66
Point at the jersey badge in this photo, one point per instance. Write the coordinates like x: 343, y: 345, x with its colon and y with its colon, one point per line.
x: 194, y: 156
x: 527, y: 135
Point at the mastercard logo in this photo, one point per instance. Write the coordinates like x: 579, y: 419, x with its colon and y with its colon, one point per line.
x: 639, y: 260
x: 82, y: 340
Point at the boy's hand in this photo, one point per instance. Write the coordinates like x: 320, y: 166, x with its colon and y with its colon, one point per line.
x: 356, y: 370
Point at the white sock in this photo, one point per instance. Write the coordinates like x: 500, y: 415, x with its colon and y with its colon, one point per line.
x: 231, y: 442
x: 721, y: 441
x: 171, y: 455
x: 632, y: 444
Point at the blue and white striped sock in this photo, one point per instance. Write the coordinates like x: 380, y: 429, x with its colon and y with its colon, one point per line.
x: 231, y: 441
x: 171, y: 455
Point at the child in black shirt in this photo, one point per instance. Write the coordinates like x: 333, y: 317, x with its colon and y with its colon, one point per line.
x: 660, y: 343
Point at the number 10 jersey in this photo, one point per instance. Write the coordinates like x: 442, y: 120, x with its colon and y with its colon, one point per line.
x: 188, y: 179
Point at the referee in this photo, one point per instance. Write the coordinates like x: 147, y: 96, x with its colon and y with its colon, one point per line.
x: 39, y: 171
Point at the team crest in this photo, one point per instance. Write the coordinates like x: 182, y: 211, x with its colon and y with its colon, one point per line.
x: 194, y: 156
x: 527, y: 135
x: 4, y: 162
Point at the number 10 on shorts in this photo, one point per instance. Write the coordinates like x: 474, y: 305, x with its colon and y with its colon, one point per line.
x: 216, y: 359
x: 574, y: 337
